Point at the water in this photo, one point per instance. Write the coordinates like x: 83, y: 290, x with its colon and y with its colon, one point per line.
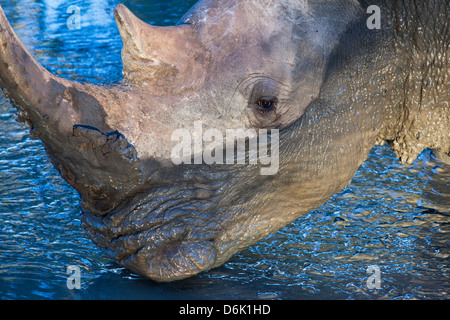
x: 393, y: 216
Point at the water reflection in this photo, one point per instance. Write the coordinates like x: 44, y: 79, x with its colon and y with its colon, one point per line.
x: 393, y: 216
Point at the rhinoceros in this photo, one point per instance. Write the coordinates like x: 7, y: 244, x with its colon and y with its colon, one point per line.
x: 168, y: 187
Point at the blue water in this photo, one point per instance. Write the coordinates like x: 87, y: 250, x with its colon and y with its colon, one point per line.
x: 393, y: 216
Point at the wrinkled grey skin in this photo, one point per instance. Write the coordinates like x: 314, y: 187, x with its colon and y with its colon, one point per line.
x: 340, y: 89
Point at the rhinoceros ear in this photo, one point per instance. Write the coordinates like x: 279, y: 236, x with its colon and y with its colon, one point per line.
x: 165, y: 60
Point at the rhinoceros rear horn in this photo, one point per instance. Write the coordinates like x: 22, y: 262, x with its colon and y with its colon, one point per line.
x: 165, y: 60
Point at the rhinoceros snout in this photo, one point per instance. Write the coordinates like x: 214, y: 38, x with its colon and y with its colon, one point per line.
x: 162, y: 249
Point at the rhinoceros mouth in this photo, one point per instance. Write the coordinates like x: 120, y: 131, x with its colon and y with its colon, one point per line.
x: 167, y: 252
x: 174, y: 261
x: 164, y: 246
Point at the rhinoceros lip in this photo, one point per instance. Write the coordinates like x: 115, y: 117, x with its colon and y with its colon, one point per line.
x: 168, y: 254
x: 164, y: 251
x: 177, y: 260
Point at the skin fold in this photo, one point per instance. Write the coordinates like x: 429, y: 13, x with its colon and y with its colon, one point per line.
x: 311, y: 69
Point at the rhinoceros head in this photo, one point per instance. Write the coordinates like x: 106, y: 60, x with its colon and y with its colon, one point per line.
x: 169, y: 187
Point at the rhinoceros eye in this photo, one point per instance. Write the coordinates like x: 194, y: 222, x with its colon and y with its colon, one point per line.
x: 266, y: 103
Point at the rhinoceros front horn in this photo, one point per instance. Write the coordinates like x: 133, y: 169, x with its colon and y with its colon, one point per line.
x: 164, y: 60
x: 81, y: 124
x: 70, y: 119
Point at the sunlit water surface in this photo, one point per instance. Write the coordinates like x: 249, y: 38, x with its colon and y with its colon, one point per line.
x: 396, y: 217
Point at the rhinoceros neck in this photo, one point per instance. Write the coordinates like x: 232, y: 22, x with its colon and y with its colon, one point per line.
x: 417, y: 38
